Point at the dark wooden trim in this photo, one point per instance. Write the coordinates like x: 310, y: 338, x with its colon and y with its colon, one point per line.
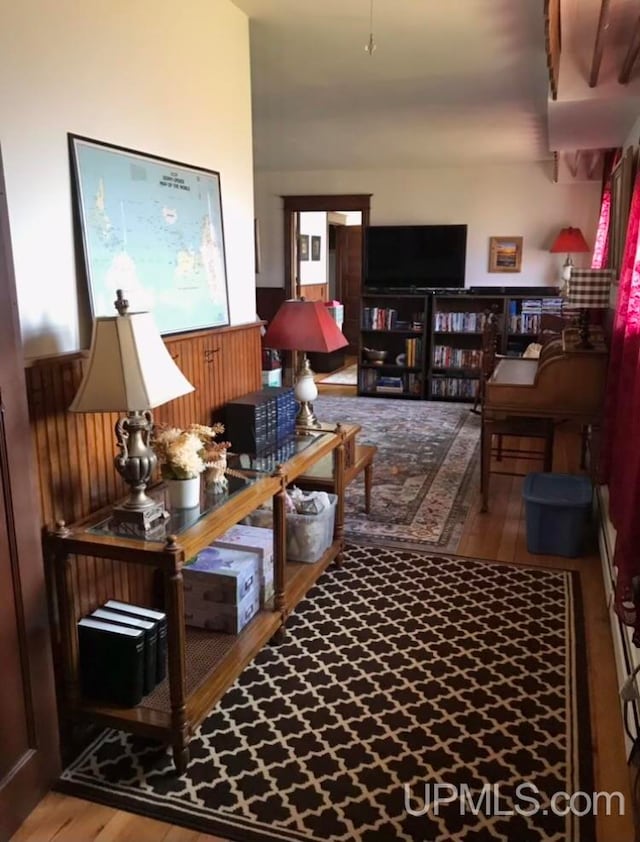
x: 297, y: 204
x: 553, y: 42
x: 631, y: 56
x: 343, y: 202
x: 598, y: 47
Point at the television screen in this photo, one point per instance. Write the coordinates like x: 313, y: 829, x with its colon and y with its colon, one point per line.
x: 420, y: 256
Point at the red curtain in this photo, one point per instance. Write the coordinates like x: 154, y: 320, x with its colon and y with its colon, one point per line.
x: 601, y: 247
x: 620, y: 457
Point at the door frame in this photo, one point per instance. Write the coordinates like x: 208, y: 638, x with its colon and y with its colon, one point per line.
x: 293, y: 205
x: 39, y: 764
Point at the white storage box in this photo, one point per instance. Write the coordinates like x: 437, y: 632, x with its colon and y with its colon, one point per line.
x: 221, y: 616
x: 308, y: 536
x: 258, y: 540
x: 218, y: 574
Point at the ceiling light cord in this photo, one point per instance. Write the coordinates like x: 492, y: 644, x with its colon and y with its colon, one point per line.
x: 371, y: 45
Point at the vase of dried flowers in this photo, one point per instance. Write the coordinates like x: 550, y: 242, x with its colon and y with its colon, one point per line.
x: 183, y: 455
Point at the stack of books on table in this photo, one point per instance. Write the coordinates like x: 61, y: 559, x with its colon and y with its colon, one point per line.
x: 122, y: 650
x: 391, y: 385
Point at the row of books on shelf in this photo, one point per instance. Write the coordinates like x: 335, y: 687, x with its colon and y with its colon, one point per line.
x: 387, y: 318
x: 459, y: 322
x: 525, y: 323
x: 536, y: 306
x: 413, y: 351
x: 453, y: 387
x: 372, y: 381
x: 446, y: 357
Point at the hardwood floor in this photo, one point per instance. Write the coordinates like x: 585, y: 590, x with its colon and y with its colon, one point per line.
x: 499, y: 535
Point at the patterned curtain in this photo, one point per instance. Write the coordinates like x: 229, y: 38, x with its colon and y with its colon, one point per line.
x: 601, y: 248
x: 620, y: 457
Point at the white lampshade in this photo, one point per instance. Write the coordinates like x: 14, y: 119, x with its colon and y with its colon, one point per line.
x: 129, y: 369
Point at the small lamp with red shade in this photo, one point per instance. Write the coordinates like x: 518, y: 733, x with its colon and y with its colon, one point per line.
x: 301, y: 325
x: 570, y: 241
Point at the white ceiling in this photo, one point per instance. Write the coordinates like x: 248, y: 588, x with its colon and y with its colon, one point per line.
x: 451, y: 81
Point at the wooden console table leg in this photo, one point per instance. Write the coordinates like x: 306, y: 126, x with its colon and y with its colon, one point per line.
x: 486, y: 434
x: 338, y: 479
x: 368, y: 484
x: 279, y: 541
x: 176, y: 643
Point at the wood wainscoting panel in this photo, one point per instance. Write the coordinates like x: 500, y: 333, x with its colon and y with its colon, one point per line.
x: 314, y: 292
x: 74, y: 452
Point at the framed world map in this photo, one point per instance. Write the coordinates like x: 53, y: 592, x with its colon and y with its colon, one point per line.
x: 153, y: 228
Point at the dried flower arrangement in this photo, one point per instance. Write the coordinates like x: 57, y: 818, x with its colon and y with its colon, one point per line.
x: 184, y: 454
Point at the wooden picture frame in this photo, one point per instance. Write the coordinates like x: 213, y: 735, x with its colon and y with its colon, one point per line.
x: 316, y: 245
x: 303, y: 246
x: 152, y: 227
x: 505, y: 254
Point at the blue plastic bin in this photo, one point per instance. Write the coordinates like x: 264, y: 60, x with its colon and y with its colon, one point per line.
x: 557, y: 510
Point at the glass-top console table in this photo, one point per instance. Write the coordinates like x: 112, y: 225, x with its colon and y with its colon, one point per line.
x: 201, y: 664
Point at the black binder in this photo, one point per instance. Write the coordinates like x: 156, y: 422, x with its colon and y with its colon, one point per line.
x: 154, y: 616
x: 150, y: 629
x: 111, y: 659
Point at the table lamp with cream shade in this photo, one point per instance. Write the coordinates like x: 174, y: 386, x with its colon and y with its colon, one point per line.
x: 130, y: 370
x: 301, y: 325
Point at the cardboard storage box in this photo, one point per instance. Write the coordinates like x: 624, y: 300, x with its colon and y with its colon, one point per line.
x: 220, y: 575
x: 257, y: 540
x: 221, y: 616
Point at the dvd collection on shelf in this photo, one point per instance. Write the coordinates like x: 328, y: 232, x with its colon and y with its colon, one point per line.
x: 454, y: 387
x: 525, y: 316
x: 470, y: 322
x: 444, y: 356
x: 386, y: 318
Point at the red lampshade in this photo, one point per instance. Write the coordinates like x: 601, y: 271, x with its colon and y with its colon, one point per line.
x: 569, y: 240
x: 301, y: 325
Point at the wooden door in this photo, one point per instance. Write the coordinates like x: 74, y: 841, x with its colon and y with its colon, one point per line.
x: 28, y: 721
x: 349, y: 279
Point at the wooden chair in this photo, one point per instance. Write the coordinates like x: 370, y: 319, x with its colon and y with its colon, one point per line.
x: 494, y: 430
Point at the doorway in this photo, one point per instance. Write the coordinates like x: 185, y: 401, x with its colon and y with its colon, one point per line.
x: 348, y: 252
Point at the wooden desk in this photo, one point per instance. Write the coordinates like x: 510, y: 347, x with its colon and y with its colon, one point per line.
x: 566, y: 383
x: 201, y: 664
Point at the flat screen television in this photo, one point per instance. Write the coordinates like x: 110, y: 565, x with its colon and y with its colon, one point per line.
x: 405, y: 257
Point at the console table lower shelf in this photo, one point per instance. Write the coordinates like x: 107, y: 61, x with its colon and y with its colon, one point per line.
x: 202, y: 664
x: 213, y: 662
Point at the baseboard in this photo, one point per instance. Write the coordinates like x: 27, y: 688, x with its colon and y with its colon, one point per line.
x: 627, y: 654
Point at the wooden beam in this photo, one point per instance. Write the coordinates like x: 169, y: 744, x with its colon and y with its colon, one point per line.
x: 631, y: 56
x: 552, y: 38
x: 598, y: 47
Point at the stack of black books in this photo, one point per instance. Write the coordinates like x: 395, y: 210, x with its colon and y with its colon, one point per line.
x: 122, y: 652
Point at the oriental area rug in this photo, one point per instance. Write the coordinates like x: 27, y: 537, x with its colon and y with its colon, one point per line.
x: 416, y: 698
x: 426, y: 473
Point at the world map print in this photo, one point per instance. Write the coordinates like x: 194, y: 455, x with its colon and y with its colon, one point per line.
x: 152, y: 228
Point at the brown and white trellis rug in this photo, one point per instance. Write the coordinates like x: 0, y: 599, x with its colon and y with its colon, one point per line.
x: 401, y: 671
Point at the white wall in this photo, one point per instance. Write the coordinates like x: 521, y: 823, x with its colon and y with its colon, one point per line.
x: 314, y: 224
x: 170, y: 79
x: 508, y: 200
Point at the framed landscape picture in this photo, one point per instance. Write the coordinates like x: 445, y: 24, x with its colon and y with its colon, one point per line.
x: 153, y: 228
x: 303, y: 241
x: 505, y: 254
x: 316, y: 241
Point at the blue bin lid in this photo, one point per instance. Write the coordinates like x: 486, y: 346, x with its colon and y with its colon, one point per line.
x: 561, y: 489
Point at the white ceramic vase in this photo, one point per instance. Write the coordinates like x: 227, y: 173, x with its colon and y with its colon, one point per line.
x: 184, y: 493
